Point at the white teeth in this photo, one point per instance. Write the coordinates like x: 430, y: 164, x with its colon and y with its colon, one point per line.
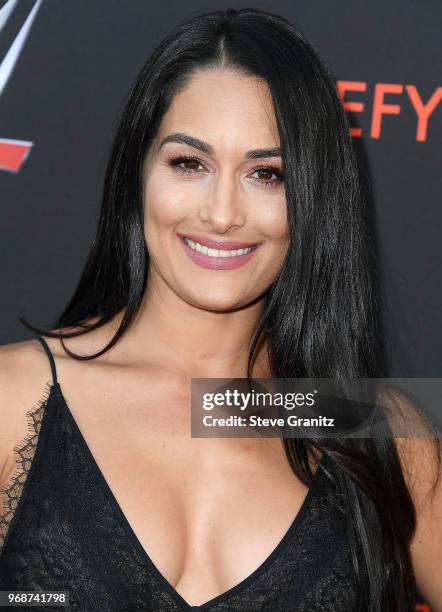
x: 201, y: 248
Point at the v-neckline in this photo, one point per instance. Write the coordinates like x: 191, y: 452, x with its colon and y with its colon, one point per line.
x: 142, y: 551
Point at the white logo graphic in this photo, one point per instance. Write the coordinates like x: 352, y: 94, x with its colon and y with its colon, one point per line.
x: 14, y: 152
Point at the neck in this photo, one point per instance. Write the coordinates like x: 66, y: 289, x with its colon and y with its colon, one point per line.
x: 193, y: 341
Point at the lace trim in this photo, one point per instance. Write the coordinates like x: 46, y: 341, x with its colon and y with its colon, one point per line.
x: 24, y: 453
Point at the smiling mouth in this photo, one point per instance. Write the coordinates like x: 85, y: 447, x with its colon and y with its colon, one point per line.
x: 216, y: 253
x: 216, y: 258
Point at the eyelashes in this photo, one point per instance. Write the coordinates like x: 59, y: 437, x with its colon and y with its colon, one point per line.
x: 175, y: 163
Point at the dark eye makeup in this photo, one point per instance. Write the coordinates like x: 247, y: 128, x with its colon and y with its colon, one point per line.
x: 176, y: 162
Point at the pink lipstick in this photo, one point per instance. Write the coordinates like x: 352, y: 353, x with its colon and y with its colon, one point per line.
x: 208, y: 253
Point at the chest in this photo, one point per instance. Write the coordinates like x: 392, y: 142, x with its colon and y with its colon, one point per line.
x: 208, y: 512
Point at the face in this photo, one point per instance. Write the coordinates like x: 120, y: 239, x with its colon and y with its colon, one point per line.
x: 214, y: 173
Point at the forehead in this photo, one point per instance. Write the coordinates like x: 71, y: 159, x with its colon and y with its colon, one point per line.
x: 225, y: 108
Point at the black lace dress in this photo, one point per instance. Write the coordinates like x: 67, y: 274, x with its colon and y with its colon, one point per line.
x: 62, y: 529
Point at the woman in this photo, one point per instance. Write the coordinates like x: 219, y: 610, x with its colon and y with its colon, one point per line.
x: 233, y: 138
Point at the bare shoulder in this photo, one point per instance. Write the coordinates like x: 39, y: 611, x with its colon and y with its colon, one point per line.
x: 24, y: 373
x: 418, y: 442
x: 23, y: 365
x: 421, y: 461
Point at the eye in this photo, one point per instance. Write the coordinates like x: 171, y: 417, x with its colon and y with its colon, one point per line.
x: 265, y: 173
x: 193, y: 162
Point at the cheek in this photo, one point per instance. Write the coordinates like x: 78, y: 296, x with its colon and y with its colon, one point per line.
x: 164, y: 203
x: 272, y: 220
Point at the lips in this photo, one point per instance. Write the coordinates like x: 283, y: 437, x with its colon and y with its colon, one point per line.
x: 217, y: 244
x: 216, y: 260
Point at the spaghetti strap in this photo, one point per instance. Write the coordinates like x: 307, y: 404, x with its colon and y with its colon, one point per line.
x: 51, y: 357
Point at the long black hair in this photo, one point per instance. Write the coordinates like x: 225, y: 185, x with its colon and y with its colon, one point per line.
x: 321, y: 316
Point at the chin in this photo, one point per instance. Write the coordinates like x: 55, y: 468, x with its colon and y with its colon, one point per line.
x: 216, y: 303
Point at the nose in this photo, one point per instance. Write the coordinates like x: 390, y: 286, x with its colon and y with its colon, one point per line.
x: 223, y: 207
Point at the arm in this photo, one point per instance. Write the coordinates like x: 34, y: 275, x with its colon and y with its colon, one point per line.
x: 419, y: 462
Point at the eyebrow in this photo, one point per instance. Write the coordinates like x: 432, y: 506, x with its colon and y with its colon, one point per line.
x: 205, y: 147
